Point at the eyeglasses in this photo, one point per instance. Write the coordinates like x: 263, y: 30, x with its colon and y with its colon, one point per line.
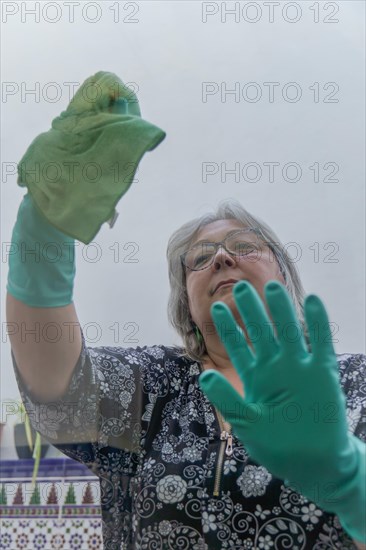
x: 245, y: 242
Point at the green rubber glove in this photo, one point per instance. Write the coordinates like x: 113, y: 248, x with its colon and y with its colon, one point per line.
x: 41, y: 260
x: 292, y: 419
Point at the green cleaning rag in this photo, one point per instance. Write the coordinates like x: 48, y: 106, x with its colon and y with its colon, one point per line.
x: 78, y: 170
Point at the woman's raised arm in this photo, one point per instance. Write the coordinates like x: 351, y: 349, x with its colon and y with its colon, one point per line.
x: 46, y: 344
x: 42, y: 322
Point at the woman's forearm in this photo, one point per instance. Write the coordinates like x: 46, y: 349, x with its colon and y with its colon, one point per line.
x: 45, y: 363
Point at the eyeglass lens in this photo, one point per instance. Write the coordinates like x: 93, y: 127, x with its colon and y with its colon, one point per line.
x: 239, y: 244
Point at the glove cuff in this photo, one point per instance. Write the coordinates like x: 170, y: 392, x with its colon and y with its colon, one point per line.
x: 350, y: 505
x: 41, y: 260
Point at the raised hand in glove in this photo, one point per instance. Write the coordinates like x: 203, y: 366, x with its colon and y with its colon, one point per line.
x: 292, y: 419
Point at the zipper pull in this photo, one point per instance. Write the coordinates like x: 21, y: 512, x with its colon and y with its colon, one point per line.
x: 229, y: 445
x: 226, y: 436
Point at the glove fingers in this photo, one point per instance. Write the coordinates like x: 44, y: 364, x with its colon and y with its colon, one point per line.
x: 319, y: 330
x: 224, y: 397
x: 257, y: 323
x: 289, y: 331
x: 233, y: 338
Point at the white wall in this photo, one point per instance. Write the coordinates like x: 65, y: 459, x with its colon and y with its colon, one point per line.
x: 169, y: 52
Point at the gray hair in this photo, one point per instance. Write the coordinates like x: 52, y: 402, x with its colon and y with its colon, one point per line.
x: 178, y: 308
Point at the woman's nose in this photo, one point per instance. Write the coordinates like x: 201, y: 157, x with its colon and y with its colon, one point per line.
x: 221, y: 258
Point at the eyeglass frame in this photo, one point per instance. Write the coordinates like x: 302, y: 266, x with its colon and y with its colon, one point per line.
x: 218, y: 244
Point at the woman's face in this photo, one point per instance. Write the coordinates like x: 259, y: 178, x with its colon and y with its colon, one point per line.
x: 202, y: 289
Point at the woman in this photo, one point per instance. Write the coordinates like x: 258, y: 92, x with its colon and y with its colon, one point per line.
x: 176, y: 471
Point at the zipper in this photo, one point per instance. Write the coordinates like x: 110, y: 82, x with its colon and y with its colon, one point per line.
x: 226, y: 448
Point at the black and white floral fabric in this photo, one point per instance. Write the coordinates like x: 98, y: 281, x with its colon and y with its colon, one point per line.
x: 139, y: 420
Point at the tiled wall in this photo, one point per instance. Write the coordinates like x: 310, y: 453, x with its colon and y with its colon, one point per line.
x: 46, y: 520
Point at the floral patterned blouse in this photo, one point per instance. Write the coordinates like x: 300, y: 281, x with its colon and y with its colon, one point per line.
x: 139, y: 420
